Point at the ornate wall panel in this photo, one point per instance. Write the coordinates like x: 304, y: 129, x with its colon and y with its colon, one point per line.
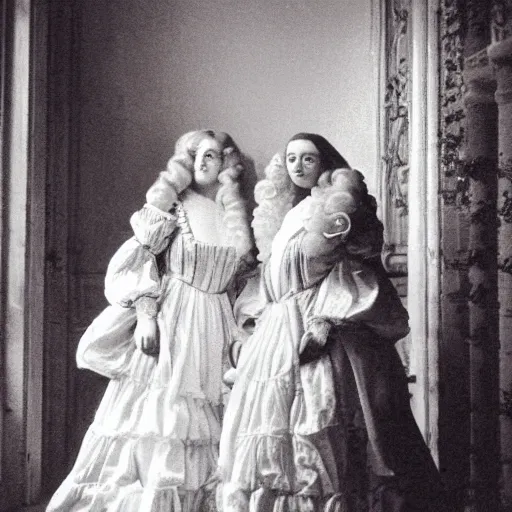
x: 395, y: 172
x: 394, y: 175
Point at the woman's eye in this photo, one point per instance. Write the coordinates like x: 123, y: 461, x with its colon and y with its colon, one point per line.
x: 291, y: 159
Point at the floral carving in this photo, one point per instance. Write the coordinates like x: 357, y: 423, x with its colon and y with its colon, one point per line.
x: 452, y: 133
x: 395, y: 176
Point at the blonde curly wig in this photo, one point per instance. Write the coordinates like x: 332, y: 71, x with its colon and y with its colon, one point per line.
x: 178, y: 176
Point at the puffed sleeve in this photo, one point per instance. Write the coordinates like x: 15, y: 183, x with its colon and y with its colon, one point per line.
x: 320, y: 254
x: 107, y: 345
x: 356, y: 292
x: 132, y: 274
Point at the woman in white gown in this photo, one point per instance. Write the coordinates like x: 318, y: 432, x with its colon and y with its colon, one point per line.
x: 163, y: 340
x: 319, y: 384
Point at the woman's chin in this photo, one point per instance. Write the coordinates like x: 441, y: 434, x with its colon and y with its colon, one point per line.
x: 302, y: 182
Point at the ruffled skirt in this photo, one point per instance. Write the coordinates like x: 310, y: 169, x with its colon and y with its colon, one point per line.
x: 336, y: 434
x: 153, y: 445
x: 277, y: 451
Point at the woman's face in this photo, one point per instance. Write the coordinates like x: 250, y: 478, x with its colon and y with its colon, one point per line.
x: 303, y: 163
x: 208, y: 162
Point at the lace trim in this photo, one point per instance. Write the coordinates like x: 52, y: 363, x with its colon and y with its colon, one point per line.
x: 184, y: 225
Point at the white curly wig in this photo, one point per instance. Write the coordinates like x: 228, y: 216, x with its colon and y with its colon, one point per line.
x: 178, y: 176
x: 275, y: 195
x: 345, y: 190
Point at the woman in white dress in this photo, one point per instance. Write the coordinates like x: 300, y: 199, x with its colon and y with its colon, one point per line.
x: 318, y: 418
x: 163, y: 340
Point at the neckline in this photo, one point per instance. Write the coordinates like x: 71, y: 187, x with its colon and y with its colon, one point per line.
x: 194, y: 195
x: 187, y: 232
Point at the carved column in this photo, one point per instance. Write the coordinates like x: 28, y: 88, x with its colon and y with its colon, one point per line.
x: 393, y: 184
x: 394, y: 177
x: 454, y: 428
x: 501, y: 54
x: 479, y: 170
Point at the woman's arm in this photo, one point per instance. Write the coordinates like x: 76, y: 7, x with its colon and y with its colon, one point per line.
x: 358, y: 298
x: 133, y: 279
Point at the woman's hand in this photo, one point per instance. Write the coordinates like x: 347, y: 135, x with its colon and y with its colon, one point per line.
x: 314, y: 340
x: 146, y: 335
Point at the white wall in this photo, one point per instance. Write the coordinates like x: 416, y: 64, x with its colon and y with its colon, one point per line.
x: 260, y: 70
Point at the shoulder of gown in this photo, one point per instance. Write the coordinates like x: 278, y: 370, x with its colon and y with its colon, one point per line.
x: 133, y: 271
x: 356, y: 291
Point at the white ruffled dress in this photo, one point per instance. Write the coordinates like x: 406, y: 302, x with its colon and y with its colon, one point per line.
x: 154, y: 440
x: 282, y: 425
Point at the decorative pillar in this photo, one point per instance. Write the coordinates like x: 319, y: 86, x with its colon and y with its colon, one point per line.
x: 479, y: 172
x: 501, y: 54
x: 454, y: 427
x: 394, y: 149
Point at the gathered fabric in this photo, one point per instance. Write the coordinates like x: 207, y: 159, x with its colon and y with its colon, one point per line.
x: 153, y: 445
x: 322, y: 436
